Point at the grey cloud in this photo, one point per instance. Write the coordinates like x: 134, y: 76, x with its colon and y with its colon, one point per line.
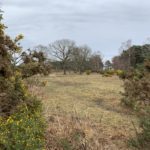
x: 95, y: 22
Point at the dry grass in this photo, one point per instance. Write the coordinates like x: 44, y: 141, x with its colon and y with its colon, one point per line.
x: 87, y: 106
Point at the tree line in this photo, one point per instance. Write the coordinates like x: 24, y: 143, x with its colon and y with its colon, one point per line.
x: 67, y: 56
x: 132, y: 57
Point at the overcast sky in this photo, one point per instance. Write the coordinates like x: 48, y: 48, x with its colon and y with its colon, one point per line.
x: 101, y: 24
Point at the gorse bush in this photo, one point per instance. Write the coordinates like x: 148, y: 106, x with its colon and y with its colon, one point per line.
x: 34, y: 63
x: 108, y: 72
x: 137, y: 98
x: 144, y: 137
x: 23, y: 130
x: 137, y: 87
x: 13, y: 93
x: 12, y: 90
x: 121, y: 74
x: 88, y: 72
x: 21, y: 123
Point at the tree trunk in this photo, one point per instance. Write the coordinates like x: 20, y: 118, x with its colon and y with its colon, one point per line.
x: 80, y: 72
x: 64, y: 68
x: 64, y: 71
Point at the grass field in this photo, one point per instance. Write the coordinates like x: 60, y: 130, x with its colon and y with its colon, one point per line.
x: 90, y: 103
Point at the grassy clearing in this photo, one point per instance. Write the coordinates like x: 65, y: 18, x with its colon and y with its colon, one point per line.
x: 91, y: 104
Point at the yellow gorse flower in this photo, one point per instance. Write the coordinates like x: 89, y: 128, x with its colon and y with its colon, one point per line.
x: 10, y: 120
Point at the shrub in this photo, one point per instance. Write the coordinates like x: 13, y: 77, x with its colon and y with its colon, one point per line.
x: 88, y: 72
x: 137, y: 97
x: 144, y: 137
x: 142, y: 140
x: 34, y: 68
x: 21, y: 123
x: 111, y: 72
x: 13, y: 92
x: 23, y: 130
x: 12, y: 89
x: 121, y: 74
x: 108, y: 73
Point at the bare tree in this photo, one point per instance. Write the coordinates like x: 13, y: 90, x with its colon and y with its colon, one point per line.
x: 79, y: 57
x: 96, y: 62
x: 125, y: 45
x: 41, y: 48
x: 61, y: 50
